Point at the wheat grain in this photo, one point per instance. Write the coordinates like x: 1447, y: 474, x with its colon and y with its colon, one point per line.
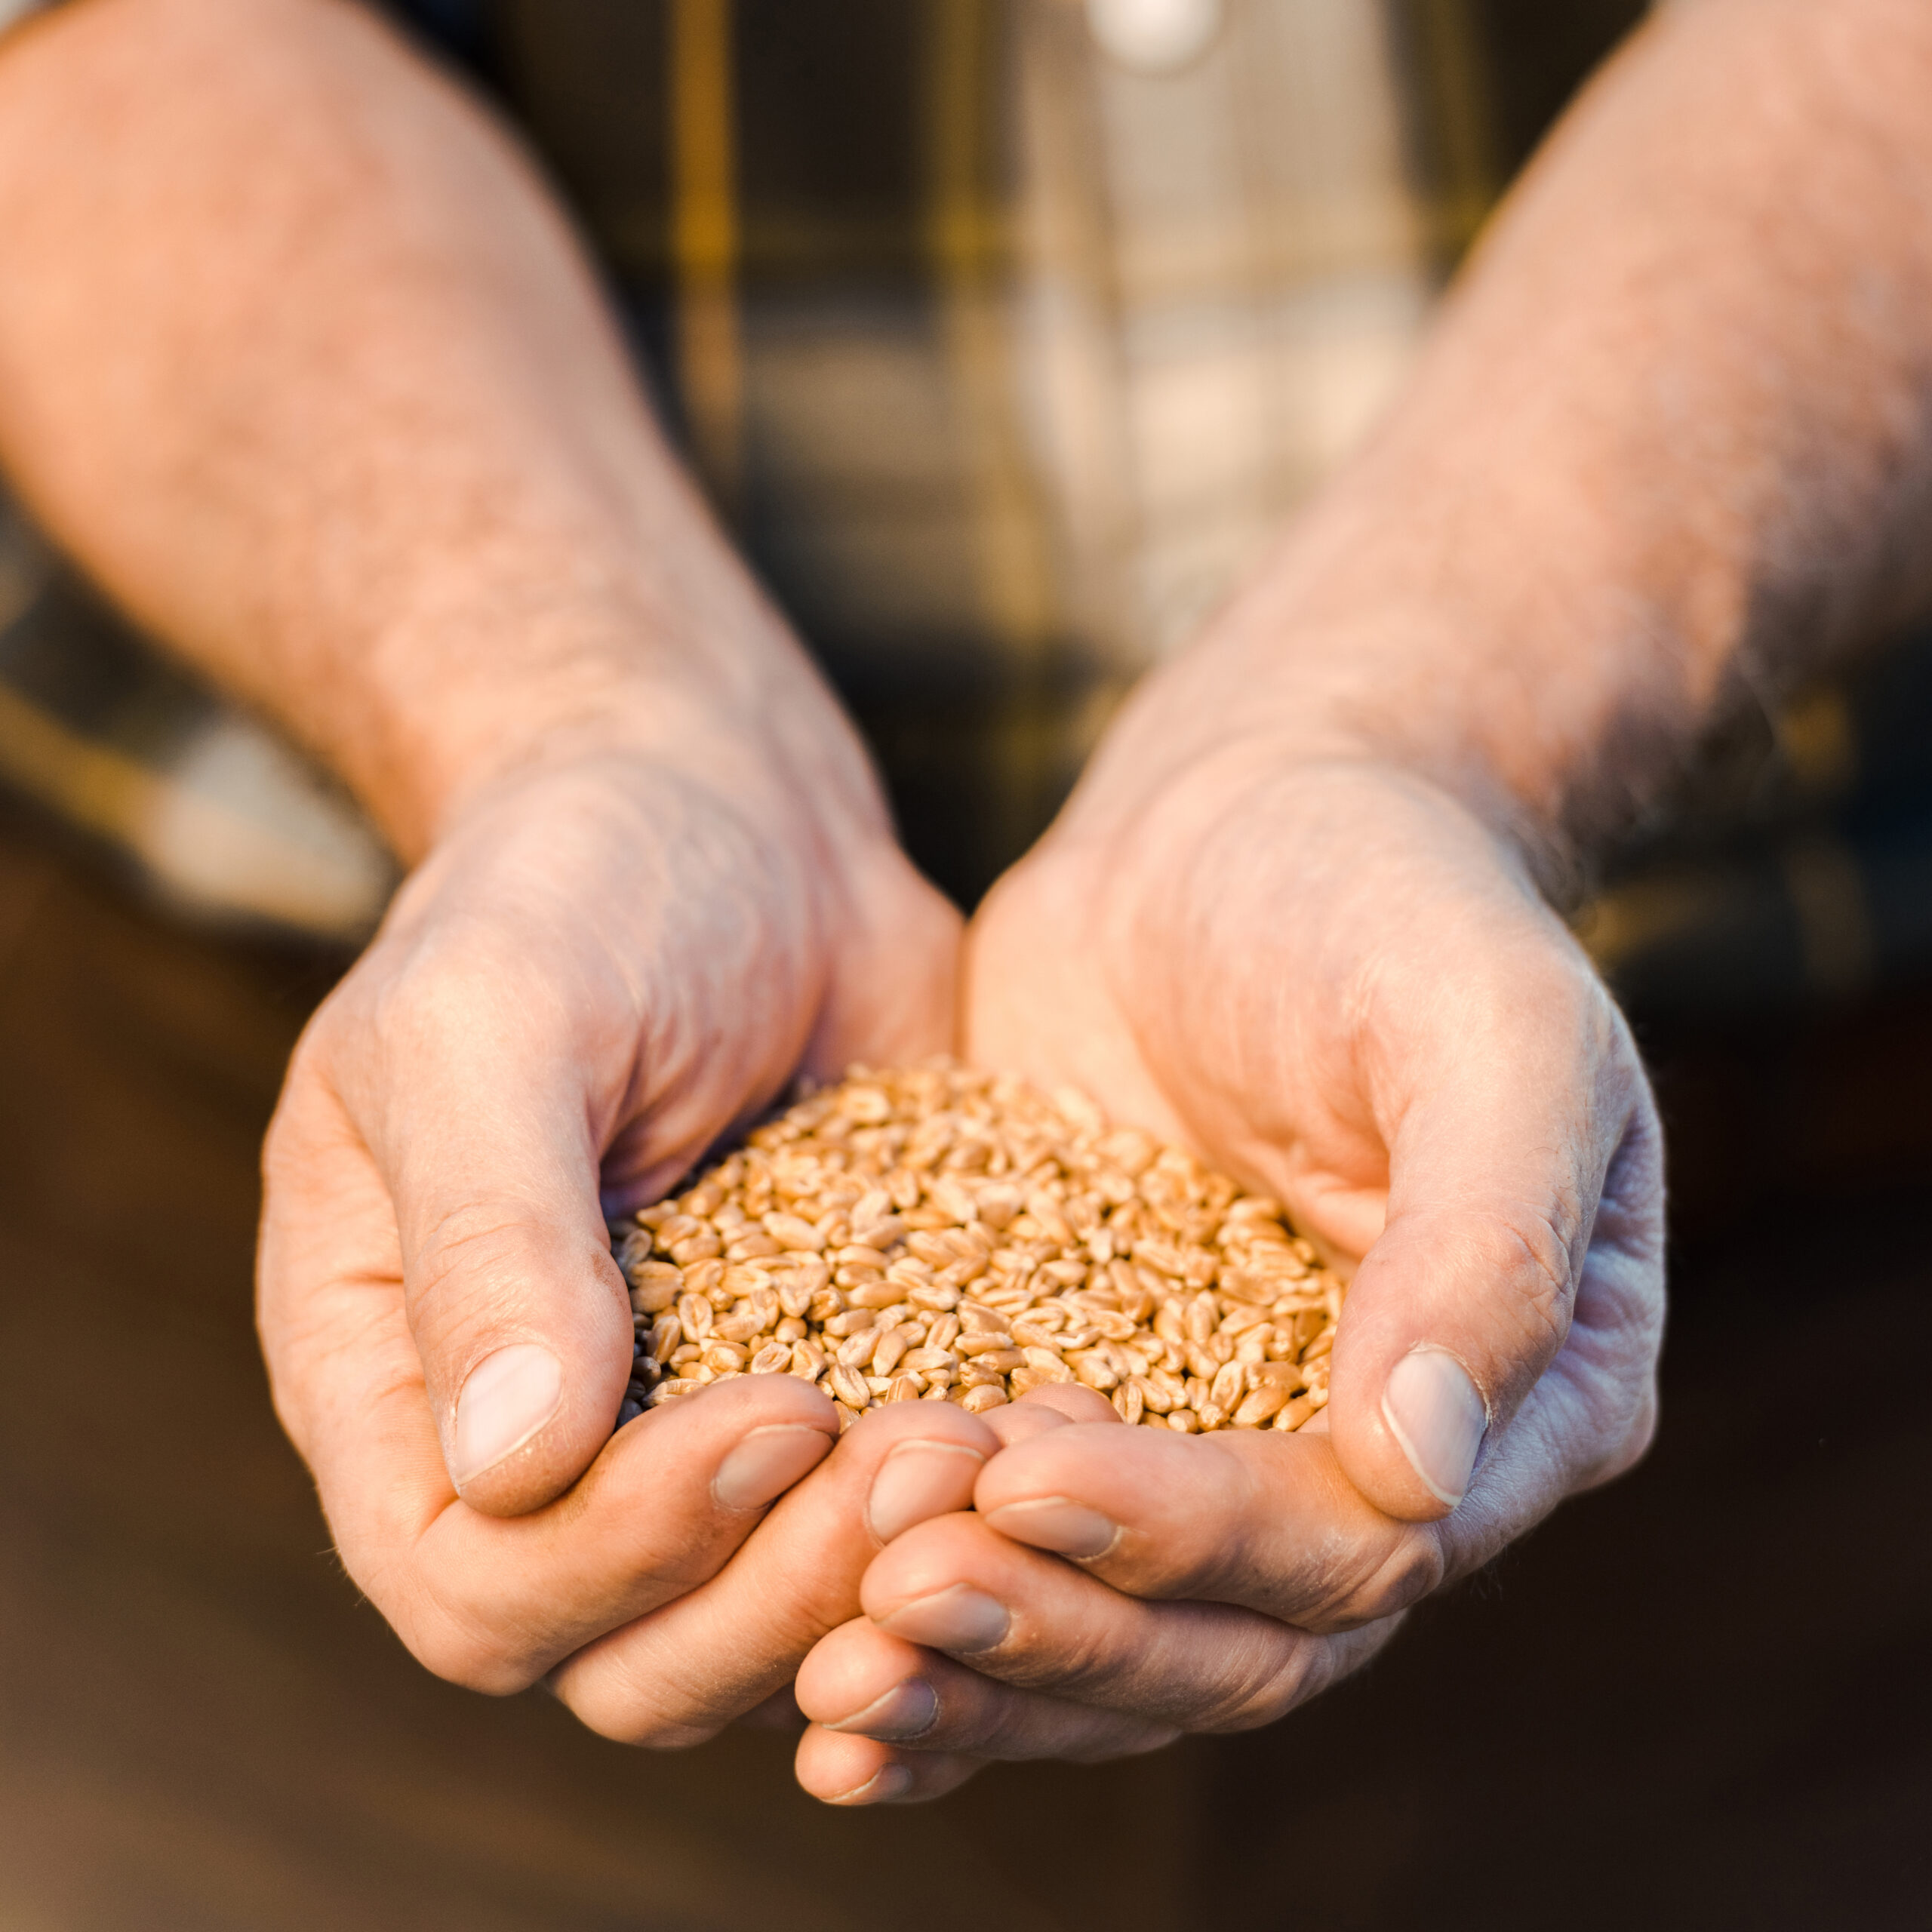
x: 936, y: 1233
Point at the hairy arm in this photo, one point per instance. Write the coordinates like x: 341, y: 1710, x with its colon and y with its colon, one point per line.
x: 299, y: 360
x: 1670, y: 445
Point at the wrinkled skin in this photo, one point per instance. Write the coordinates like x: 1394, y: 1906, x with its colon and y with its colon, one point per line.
x: 1332, y: 979
x: 597, y: 972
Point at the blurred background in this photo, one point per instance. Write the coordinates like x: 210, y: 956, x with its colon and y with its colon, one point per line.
x: 1003, y: 333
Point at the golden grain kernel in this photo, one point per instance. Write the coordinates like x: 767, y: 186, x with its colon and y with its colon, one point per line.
x: 885, y: 1220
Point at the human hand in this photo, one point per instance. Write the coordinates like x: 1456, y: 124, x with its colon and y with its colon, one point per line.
x: 603, y: 963
x: 1332, y: 979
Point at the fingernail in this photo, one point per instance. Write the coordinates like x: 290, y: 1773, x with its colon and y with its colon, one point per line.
x: 958, y: 1618
x: 921, y: 1479
x: 1433, y: 1410
x: 509, y: 1397
x: 908, y: 1710
x: 889, y: 1782
x: 1068, y: 1529
x: 767, y: 1463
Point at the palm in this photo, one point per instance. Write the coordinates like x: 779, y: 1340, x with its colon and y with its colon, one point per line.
x: 1320, y: 977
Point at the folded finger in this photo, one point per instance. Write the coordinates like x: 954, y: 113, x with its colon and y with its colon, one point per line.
x: 840, y: 1770
x: 862, y: 1681
x: 1521, y: 1098
x: 956, y: 1586
x: 1266, y: 1522
x: 673, y: 1677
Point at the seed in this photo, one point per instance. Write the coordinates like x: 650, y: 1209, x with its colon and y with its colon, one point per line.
x: 1094, y: 1369
x: 702, y: 1278
x: 984, y: 1341
x: 789, y: 1230
x: 931, y: 1233
x: 654, y: 1286
x: 1266, y: 1399
x: 848, y: 1385
x: 1152, y: 1396
x: 856, y: 1351
x: 1227, y: 1388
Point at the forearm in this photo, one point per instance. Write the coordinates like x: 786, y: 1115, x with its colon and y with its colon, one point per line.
x: 297, y: 359
x: 1669, y: 442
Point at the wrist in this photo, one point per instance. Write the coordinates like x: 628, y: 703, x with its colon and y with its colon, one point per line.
x: 448, y: 717
x: 1540, y: 721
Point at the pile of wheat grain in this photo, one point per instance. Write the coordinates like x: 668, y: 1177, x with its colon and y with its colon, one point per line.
x: 938, y: 1234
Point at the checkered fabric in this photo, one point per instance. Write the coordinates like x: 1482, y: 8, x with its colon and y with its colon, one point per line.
x: 1003, y: 333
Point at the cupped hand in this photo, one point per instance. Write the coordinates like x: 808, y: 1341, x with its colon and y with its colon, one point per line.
x: 1334, y: 980
x: 604, y: 964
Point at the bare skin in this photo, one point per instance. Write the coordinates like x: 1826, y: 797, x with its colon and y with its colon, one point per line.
x: 310, y: 374
x: 313, y: 379
x: 1668, y: 447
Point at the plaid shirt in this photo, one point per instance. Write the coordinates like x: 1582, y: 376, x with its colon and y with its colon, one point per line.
x: 1004, y: 333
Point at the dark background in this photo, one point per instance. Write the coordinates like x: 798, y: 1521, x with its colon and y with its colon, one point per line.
x: 1692, y: 1700
x: 1696, y: 1698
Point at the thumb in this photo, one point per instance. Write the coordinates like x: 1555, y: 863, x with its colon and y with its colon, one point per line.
x: 1497, y: 1166
x: 520, y: 1315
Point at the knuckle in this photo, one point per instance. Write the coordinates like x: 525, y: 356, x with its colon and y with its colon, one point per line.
x: 1526, y: 1247
x: 463, y: 1655
x: 1388, y: 1584
x: 1632, y: 1446
x: 461, y: 1641
x: 1281, y: 1680
x: 1265, y: 1674
x: 609, y: 1699
x: 1540, y: 1264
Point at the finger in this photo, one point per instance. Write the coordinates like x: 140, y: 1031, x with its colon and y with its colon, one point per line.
x: 1512, y: 1100
x: 1052, y: 1406
x: 956, y: 1586
x: 1073, y: 1402
x: 838, y: 1770
x: 490, y: 1602
x: 674, y: 1676
x: 860, y: 1681
x: 479, y: 1126
x: 1264, y: 1521
x: 779, y: 1712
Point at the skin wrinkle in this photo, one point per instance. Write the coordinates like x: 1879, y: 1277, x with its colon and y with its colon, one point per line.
x: 1554, y: 700
x: 1637, y: 462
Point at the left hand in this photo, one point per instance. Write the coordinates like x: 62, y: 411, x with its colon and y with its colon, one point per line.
x: 1334, y: 981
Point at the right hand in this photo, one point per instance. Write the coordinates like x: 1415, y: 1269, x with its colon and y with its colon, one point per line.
x: 602, y: 966
x: 1332, y: 979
